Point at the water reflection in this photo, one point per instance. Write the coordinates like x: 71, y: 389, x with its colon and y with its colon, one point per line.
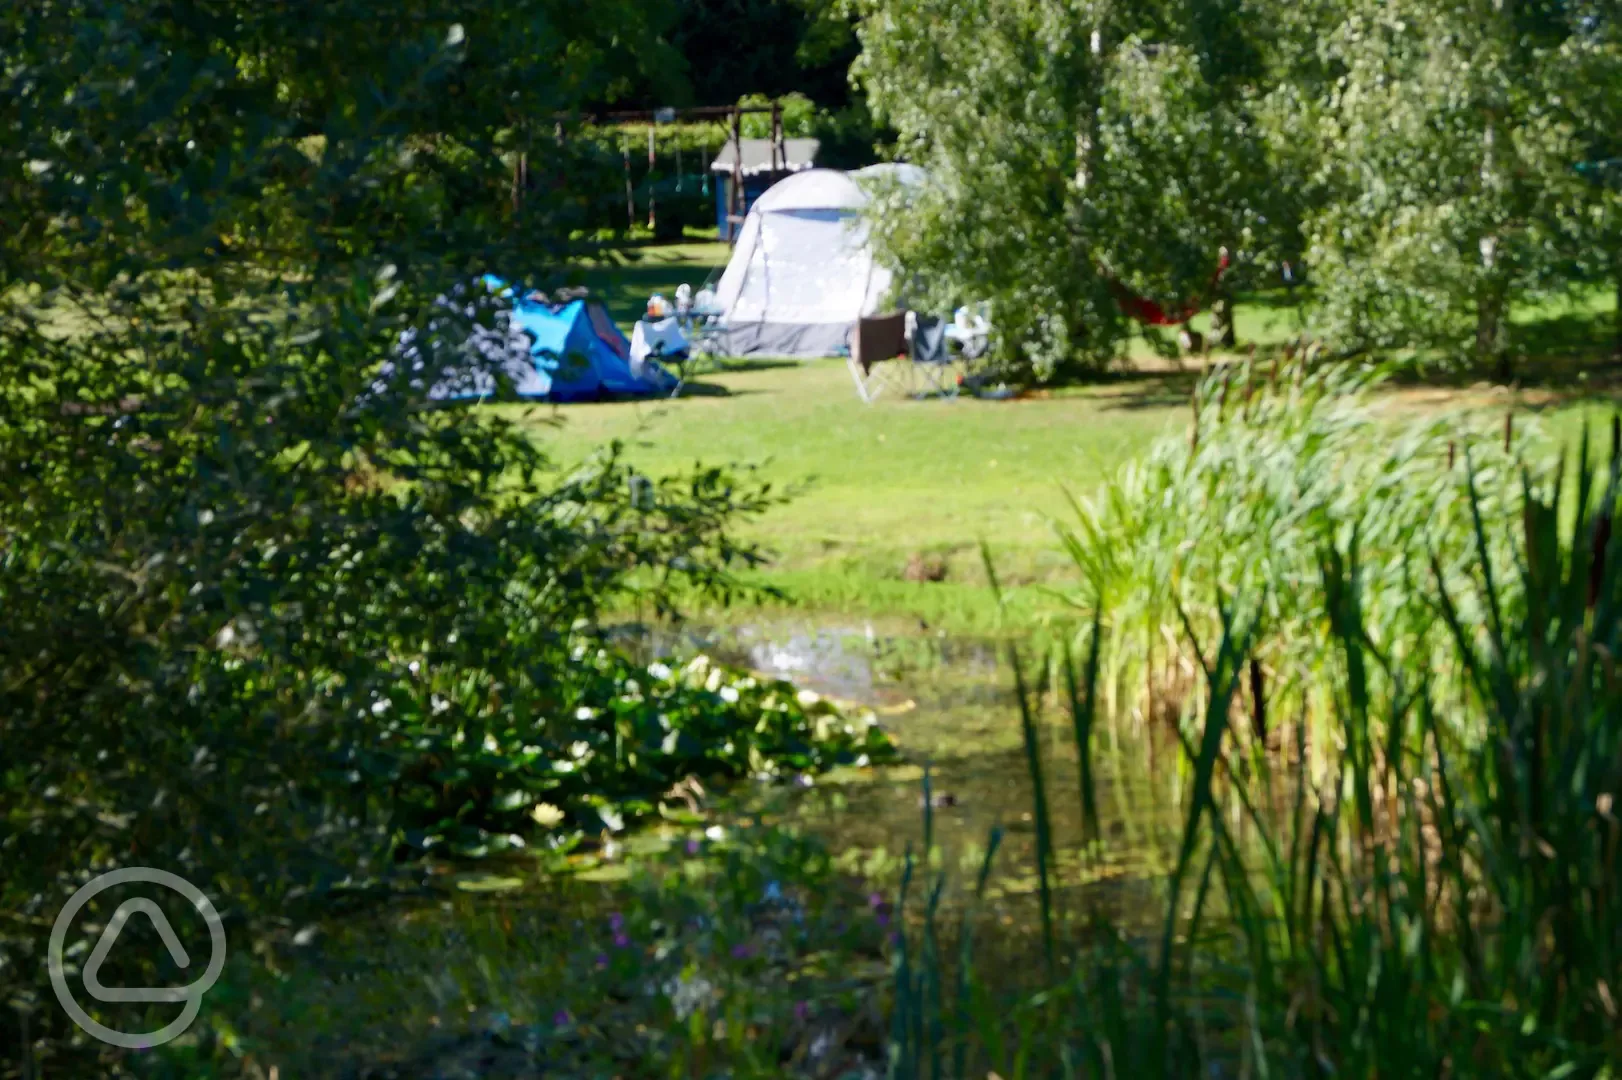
x: 949, y: 703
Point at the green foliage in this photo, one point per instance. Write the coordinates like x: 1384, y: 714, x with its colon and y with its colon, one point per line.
x: 1447, y: 894
x: 1073, y: 149
x: 255, y: 584
x: 742, y: 951
x: 1276, y: 460
x: 1447, y: 145
x: 594, y: 747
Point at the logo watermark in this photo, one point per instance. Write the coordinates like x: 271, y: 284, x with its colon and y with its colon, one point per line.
x: 191, y: 994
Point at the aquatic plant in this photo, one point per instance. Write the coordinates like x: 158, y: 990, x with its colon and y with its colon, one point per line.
x: 1443, y: 899
x: 1278, y: 463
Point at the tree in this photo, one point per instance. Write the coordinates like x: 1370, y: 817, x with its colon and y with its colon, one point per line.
x: 1446, y: 152
x: 1589, y: 84
x: 273, y: 619
x: 1077, y: 149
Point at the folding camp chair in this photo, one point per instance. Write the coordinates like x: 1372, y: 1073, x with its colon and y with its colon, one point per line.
x: 916, y: 364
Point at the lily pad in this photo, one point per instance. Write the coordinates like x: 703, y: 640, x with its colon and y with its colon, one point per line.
x: 482, y: 883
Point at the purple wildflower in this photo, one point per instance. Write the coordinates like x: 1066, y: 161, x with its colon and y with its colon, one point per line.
x: 802, y: 1011
x: 621, y: 940
x: 561, y: 1018
x: 616, y: 922
x: 602, y: 960
x: 742, y: 952
x: 692, y: 847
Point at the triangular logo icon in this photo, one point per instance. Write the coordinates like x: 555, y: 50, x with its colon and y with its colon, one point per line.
x: 115, y: 926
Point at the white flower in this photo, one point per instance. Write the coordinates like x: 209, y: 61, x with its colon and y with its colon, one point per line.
x: 579, y: 749
x: 414, y: 667
x: 808, y: 697
x: 659, y: 671
x: 688, y: 994
x: 515, y: 840
x: 584, y: 713
x: 380, y: 706
x: 715, y: 832
x: 729, y: 695
x: 490, y: 744
x: 612, y: 818
x: 546, y: 815
x: 439, y: 704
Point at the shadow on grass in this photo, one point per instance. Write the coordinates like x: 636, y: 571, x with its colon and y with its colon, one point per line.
x: 1139, y: 390
x: 753, y: 363
x: 698, y: 388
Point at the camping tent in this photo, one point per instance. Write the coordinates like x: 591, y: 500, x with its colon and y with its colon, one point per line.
x: 802, y: 272
x: 561, y: 352
x: 582, y: 355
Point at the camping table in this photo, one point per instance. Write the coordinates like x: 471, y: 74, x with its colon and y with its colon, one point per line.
x: 662, y: 340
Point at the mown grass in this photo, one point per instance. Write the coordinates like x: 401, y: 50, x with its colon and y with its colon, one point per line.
x: 875, y: 486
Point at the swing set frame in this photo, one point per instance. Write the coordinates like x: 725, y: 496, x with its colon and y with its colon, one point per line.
x: 730, y: 115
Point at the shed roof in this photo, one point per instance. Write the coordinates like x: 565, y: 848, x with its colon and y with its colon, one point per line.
x: 757, y: 156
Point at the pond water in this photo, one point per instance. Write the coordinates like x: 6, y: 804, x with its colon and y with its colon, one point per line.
x: 455, y: 984
x: 950, y: 704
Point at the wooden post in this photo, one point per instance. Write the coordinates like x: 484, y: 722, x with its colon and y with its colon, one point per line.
x: 735, y: 196
x: 779, y: 160
x: 630, y: 196
x: 652, y: 220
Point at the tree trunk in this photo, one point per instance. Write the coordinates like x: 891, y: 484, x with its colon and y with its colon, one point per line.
x: 1490, y: 334
x: 1618, y: 276
x: 1222, y: 329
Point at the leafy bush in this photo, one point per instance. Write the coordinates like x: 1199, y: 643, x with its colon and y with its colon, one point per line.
x: 250, y: 601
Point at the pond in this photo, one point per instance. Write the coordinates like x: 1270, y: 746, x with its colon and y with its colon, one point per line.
x: 466, y: 979
x: 951, y: 706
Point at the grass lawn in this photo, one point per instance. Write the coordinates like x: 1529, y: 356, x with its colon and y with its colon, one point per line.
x: 881, y: 483
x: 625, y: 287
x: 884, y: 482
x: 877, y: 485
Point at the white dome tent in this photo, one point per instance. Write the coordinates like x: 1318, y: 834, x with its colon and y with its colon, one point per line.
x: 802, y: 272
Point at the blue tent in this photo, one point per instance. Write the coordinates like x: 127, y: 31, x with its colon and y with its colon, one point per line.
x: 559, y: 352
x: 582, y: 355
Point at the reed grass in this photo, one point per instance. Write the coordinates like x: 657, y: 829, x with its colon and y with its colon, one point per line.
x: 1276, y: 461
x: 1442, y: 898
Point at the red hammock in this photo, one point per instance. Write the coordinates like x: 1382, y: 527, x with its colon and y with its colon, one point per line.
x: 1150, y: 313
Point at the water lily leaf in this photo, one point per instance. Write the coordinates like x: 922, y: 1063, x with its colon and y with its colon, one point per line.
x: 483, y: 883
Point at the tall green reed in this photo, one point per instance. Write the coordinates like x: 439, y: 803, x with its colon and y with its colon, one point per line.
x: 1275, y: 460
x: 1443, y: 898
